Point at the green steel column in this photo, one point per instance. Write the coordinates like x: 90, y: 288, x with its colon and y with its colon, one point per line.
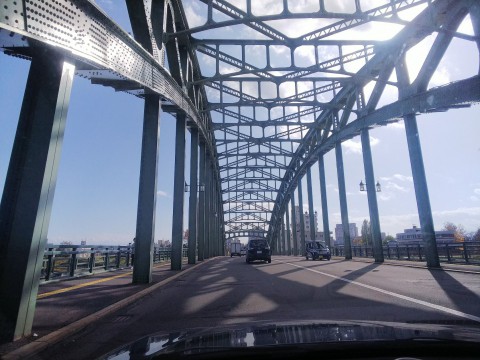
x: 294, y: 226
x: 311, y: 215
x: 208, y: 209
x: 178, y: 193
x: 475, y: 19
x: 302, y: 220
x: 192, y: 204
x: 201, y: 206
x: 283, y: 236
x: 372, y: 197
x: 421, y: 191
x: 343, y: 202
x: 289, y: 243
x: 215, y: 221
x: 323, y: 193
x: 418, y: 171
x: 29, y: 188
x: 147, y: 192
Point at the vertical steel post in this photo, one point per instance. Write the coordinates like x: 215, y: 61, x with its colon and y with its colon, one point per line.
x: 418, y: 172
x: 311, y: 215
x: 178, y: 193
x: 475, y: 18
x: 208, y: 209
x: 147, y: 192
x: 289, y: 242
x: 372, y: 196
x: 29, y: 188
x: 343, y: 202
x: 215, y: 220
x: 192, y: 204
x: 201, y: 205
x: 323, y: 193
x: 421, y: 191
x: 302, y: 220
x: 294, y: 226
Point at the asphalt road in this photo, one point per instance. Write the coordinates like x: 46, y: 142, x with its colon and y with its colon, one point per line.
x: 228, y: 291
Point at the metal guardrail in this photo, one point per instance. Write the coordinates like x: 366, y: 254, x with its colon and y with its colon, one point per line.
x: 66, y: 261
x: 467, y: 252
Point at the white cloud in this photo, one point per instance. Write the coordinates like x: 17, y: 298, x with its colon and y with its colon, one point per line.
x: 476, y: 191
x: 162, y: 193
x: 351, y: 146
x: 394, y: 186
x: 399, y: 177
x: 194, y: 18
x: 400, y: 125
x: 355, y: 147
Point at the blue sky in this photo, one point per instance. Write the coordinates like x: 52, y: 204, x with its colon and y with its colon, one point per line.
x: 97, y: 188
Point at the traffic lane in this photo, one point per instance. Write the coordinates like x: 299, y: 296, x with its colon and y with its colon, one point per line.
x: 454, y: 290
x: 227, y: 291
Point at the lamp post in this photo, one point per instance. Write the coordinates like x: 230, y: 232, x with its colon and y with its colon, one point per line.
x: 201, y: 187
x: 363, y: 185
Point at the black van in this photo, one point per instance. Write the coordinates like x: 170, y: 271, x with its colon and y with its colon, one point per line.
x: 258, y: 249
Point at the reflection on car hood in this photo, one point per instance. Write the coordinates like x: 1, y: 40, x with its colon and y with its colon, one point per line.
x: 289, y: 333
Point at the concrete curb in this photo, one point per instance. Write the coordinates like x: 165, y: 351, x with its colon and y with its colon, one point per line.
x: 38, y: 345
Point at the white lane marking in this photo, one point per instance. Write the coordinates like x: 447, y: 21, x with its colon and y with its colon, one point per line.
x: 386, y: 292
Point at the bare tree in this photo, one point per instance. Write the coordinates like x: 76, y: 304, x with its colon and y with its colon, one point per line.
x: 459, y: 231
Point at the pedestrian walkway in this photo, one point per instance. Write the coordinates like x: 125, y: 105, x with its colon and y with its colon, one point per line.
x: 65, y: 307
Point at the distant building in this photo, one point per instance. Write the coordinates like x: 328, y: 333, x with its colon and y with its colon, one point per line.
x: 164, y: 243
x: 306, y: 221
x: 339, y: 233
x: 414, y: 236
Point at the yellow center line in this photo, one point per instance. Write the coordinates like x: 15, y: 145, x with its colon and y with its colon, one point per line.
x: 79, y: 286
x: 59, y: 291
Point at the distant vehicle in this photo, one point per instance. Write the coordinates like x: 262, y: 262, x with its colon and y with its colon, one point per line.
x: 235, y: 249
x: 258, y: 249
x: 243, y: 251
x: 316, y: 250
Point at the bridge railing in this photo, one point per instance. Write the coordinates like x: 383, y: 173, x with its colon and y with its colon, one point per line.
x: 466, y: 252
x: 65, y: 261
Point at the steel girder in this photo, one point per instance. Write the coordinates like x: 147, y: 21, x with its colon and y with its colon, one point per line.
x: 266, y: 103
x: 257, y: 117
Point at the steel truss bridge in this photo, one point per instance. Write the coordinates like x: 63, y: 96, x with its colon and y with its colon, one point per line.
x: 263, y: 104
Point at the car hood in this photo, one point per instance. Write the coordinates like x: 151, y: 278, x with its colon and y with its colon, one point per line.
x: 269, y: 334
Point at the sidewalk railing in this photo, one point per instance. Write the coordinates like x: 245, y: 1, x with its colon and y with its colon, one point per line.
x: 64, y: 261
x: 466, y: 252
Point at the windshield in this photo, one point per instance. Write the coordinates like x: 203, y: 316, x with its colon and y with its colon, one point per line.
x: 183, y: 166
x: 257, y: 243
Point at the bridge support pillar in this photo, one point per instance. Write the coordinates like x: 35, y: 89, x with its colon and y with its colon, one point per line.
x: 192, y: 204
x: 302, y: 220
x: 147, y: 192
x: 201, y: 205
x: 178, y: 193
x: 323, y: 194
x: 421, y: 191
x: 372, y: 197
x: 27, y: 197
x: 347, y: 245
x: 289, y: 241
x: 208, y: 207
x: 311, y: 215
x: 294, y: 226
